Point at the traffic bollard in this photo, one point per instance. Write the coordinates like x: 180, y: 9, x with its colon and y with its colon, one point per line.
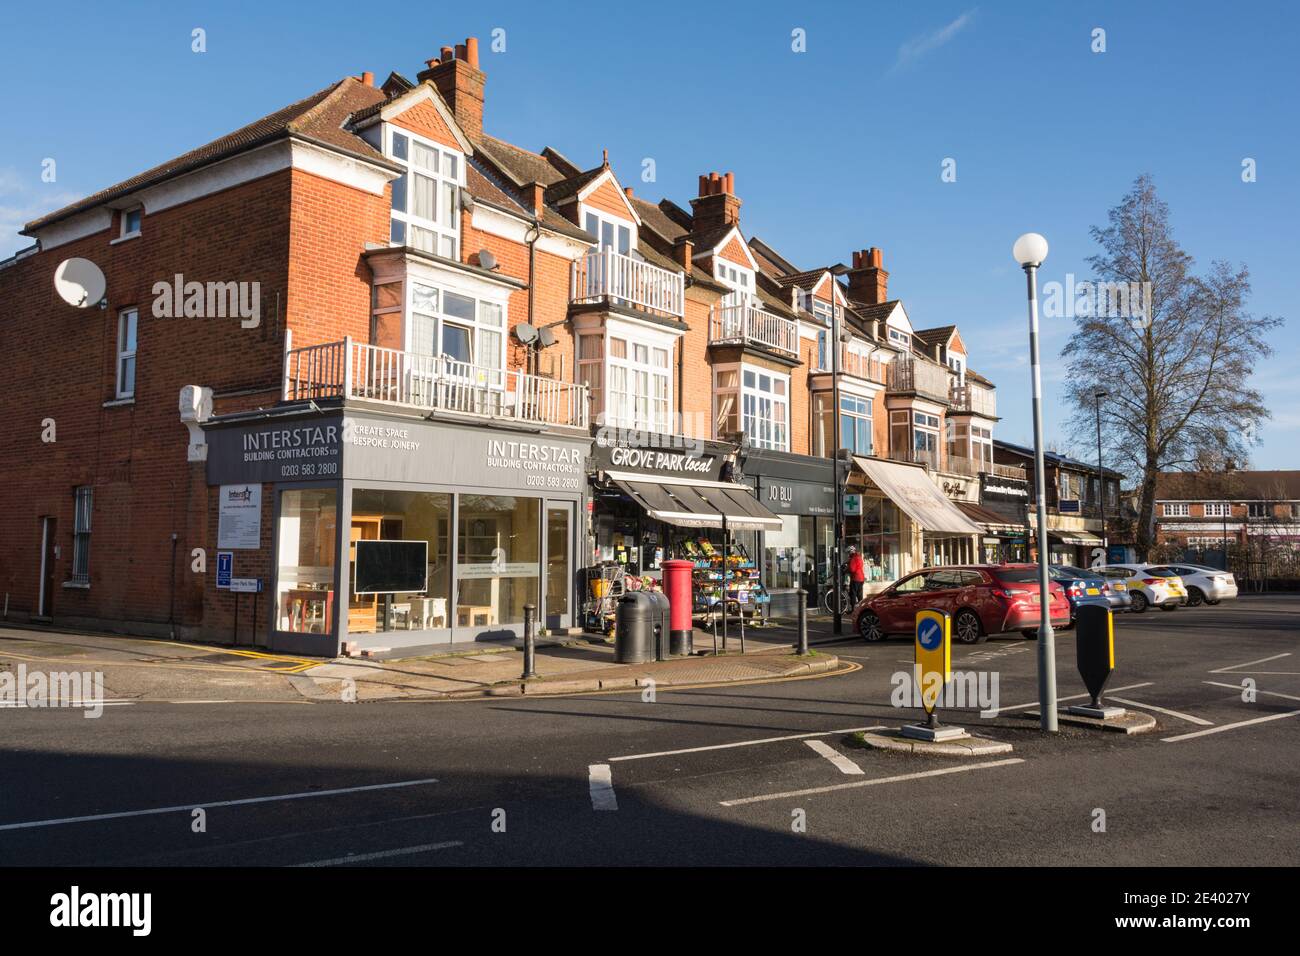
x: 530, y: 647
x: 803, y: 621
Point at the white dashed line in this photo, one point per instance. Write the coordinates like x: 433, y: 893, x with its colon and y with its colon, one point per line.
x: 1161, y: 710
x: 382, y: 854
x: 601, y: 781
x: 871, y: 783
x: 842, y: 763
x: 1034, y: 703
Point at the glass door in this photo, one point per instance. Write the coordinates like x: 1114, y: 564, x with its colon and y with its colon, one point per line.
x: 558, y: 610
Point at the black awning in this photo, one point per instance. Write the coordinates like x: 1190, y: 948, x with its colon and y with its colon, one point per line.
x: 700, y: 506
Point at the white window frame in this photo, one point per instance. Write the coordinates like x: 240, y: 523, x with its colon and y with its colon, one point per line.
x: 1176, y: 509
x: 479, y: 327
x: 1217, y: 509
x: 127, y: 319
x: 899, y: 337
x: 124, y: 218
x: 633, y: 382
x: 930, y: 427
x: 856, y: 416
x: 731, y: 275
x: 444, y: 186
x: 615, y: 223
x: 770, y: 426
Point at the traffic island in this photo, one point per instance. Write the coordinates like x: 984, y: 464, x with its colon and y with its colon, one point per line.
x: 967, y: 745
x: 1125, y: 722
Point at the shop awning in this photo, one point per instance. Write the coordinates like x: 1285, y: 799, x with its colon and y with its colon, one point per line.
x: 990, y: 520
x: 1084, y: 538
x: 909, y: 487
x: 698, y: 504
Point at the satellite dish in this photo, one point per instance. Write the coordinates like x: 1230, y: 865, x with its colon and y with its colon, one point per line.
x: 79, y: 282
x: 525, y: 333
x: 546, y: 337
x: 486, y: 259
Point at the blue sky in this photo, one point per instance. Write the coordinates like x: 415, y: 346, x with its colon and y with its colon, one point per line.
x: 836, y: 148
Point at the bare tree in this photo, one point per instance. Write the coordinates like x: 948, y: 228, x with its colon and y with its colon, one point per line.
x: 1175, y: 351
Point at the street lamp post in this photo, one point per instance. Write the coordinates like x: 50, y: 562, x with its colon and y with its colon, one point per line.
x: 1098, y: 395
x: 837, y: 612
x: 1030, y: 250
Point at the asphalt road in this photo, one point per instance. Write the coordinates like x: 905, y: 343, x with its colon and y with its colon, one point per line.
x: 693, y: 777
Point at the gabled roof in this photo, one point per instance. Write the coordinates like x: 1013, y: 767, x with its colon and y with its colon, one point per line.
x: 874, y: 312
x: 1240, y: 485
x: 939, y: 336
x: 769, y: 259
x: 581, y: 186
x: 393, y: 106
x: 483, y: 185
x: 653, y: 216
x: 519, y: 165
x: 317, y: 118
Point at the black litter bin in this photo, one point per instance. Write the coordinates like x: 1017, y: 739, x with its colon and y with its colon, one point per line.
x: 634, y: 628
x: 661, y: 617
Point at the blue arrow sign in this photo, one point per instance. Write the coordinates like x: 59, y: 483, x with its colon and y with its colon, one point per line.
x: 225, y: 568
x: 930, y: 634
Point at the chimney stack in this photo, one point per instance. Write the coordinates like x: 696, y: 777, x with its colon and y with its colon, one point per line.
x: 459, y: 80
x: 717, y: 204
x: 368, y: 78
x: 868, y: 281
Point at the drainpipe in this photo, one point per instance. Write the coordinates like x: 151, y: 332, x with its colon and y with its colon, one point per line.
x: 535, y: 233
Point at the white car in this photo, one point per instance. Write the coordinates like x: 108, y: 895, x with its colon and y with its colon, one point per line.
x: 1203, y: 584
x: 1146, y: 588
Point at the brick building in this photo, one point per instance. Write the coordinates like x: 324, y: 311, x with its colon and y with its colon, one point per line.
x: 426, y: 376
x: 1252, y: 516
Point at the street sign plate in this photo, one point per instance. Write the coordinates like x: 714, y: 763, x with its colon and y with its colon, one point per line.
x: 225, y: 568
x: 246, y: 585
x: 933, y: 654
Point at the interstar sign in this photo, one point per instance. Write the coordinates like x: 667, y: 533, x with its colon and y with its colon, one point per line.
x: 649, y: 458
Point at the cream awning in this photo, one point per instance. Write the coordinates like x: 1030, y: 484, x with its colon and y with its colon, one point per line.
x: 909, y: 487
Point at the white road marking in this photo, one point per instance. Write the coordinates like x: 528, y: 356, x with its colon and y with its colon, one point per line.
x: 188, y: 807
x: 1243, y: 723
x: 363, y: 857
x: 600, y: 779
x: 842, y: 763
x: 1034, y: 703
x: 744, y: 743
x: 69, y: 705
x: 1262, y: 660
x: 1161, y: 710
x: 871, y: 783
x: 1270, y: 693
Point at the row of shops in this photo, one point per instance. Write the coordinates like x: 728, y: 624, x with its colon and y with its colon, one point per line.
x: 390, y: 534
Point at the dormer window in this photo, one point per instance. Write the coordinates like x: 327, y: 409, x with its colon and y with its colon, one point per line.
x: 426, y: 197
x: 958, y: 364
x: 738, y: 277
x: 611, y: 234
x: 900, y: 338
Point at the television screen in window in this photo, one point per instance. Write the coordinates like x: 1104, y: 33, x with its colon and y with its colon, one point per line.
x: 385, y: 567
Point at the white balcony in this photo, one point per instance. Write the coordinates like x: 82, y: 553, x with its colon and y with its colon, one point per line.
x: 352, y: 371
x: 923, y: 378
x: 739, y: 320
x: 973, y: 398
x: 610, y: 277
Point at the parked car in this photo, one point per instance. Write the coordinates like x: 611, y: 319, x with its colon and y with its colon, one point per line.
x: 982, y: 599
x: 1083, y: 586
x: 1146, y: 588
x: 1203, y: 584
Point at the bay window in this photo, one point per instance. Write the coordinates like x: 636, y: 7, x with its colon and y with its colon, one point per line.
x: 925, y: 438
x: 637, y: 381
x: 426, y: 197
x: 762, y: 400
x: 468, y: 333
x: 855, y: 424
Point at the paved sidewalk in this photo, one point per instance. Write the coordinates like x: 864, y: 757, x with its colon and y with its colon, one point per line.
x: 143, y: 669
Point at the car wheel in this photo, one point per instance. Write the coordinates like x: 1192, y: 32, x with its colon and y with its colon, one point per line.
x: 1195, y: 597
x: 1140, y: 602
x: 869, y: 627
x: 968, y: 628
x: 1029, y: 634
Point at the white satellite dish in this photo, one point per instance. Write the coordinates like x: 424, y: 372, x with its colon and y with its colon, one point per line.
x: 79, y: 282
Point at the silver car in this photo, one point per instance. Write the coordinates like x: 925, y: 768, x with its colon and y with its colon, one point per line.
x: 1203, y: 584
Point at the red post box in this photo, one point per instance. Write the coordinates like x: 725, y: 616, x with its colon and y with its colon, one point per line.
x: 678, y: 586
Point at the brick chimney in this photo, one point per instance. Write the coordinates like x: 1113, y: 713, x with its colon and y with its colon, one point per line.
x: 717, y: 204
x: 868, y: 281
x: 683, y: 249
x: 460, y: 81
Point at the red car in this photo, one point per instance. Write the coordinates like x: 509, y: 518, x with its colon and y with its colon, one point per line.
x: 982, y: 599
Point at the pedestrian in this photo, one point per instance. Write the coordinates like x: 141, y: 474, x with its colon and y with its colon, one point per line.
x: 857, y: 575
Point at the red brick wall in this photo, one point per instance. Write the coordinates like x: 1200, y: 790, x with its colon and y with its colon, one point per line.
x: 58, y: 362
x: 608, y: 199
x: 423, y: 119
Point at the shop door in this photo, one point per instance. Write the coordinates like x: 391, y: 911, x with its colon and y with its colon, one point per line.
x: 557, y: 609
x: 49, y: 551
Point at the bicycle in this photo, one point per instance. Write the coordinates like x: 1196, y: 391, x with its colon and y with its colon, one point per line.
x: 832, y: 593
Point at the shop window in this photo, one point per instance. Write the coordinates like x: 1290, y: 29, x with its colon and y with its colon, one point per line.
x: 783, y: 559
x: 876, y: 533
x: 307, y: 531
x: 497, y: 561
x: 400, y: 516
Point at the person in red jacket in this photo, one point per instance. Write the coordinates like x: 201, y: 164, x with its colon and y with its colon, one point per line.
x: 857, y: 575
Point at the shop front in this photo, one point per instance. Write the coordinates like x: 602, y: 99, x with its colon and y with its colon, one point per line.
x: 800, y: 490
x: 905, y: 522
x: 392, y: 534
x: 1004, y: 509
x: 657, y: 497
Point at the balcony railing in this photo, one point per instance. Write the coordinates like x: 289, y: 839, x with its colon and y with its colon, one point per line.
x: 350, y: 370
x: 916, y: 456
x: 912, y: 375
x: 740, y: 320
x: 608, y: 276
x: 860, y: 365
x: 974, y: 467
x: 972, y: 398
